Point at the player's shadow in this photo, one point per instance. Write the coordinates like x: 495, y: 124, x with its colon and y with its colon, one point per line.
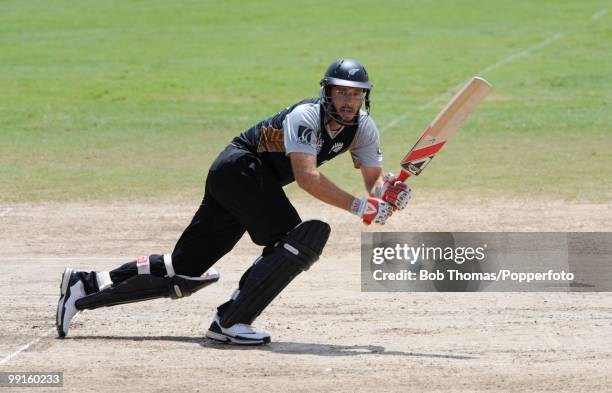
x: 284, y: 347
x: 287, y: 347
x: 183, y: 339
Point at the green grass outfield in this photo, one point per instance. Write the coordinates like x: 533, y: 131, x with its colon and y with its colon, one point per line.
x: 106, y: 100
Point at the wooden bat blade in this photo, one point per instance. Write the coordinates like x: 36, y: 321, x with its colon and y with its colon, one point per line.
x: 444, y: 125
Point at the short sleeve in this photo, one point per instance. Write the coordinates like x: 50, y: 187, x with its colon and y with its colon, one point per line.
x: 367, y: 150
x: 302, y: 129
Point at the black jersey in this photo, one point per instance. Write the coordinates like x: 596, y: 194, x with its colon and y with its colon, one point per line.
x: 301, y: 128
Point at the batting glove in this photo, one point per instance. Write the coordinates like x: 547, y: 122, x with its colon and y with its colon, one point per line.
x: 372, y: 210
x: 395, y: 192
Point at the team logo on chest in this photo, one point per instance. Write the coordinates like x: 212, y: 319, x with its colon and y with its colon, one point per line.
x: 336, y: 147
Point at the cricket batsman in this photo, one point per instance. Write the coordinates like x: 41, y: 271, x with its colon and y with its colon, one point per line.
x: 244, y: 193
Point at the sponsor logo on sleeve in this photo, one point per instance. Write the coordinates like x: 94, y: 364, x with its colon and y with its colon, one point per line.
x: 305, y: 135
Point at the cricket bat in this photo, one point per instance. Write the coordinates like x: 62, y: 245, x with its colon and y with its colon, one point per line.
x: 446, y: 123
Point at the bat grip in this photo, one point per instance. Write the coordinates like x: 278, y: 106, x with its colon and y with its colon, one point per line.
x: 402, y: 176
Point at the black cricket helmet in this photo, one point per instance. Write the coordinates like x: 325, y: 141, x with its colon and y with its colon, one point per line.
x: 344, y: 72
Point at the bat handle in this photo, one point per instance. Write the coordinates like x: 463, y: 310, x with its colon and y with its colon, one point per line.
x: 403, y: 175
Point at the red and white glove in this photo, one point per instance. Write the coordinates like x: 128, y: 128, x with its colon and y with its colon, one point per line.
x: 395, y: 192
x: 372, y: 210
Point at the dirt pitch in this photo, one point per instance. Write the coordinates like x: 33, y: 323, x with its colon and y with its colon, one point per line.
x: 327, y: 335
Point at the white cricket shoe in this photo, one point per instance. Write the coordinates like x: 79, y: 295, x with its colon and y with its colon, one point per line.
x: 71, y: 289
x: 239, y: 334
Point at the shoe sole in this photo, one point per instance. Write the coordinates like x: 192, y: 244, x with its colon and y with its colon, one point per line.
x: 60, y: 305
x: 65, y: 281
x: 235, y: 340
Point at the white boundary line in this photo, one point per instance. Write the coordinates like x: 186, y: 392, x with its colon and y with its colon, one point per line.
x: 14, y: 354
x: 24, y: 347
x: 6, y: 211
x: 490, y: 68
x: 599, y: 14
x: 522, y: 53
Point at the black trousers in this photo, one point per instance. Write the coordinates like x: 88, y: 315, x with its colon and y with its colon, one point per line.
x: 241, y: 194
